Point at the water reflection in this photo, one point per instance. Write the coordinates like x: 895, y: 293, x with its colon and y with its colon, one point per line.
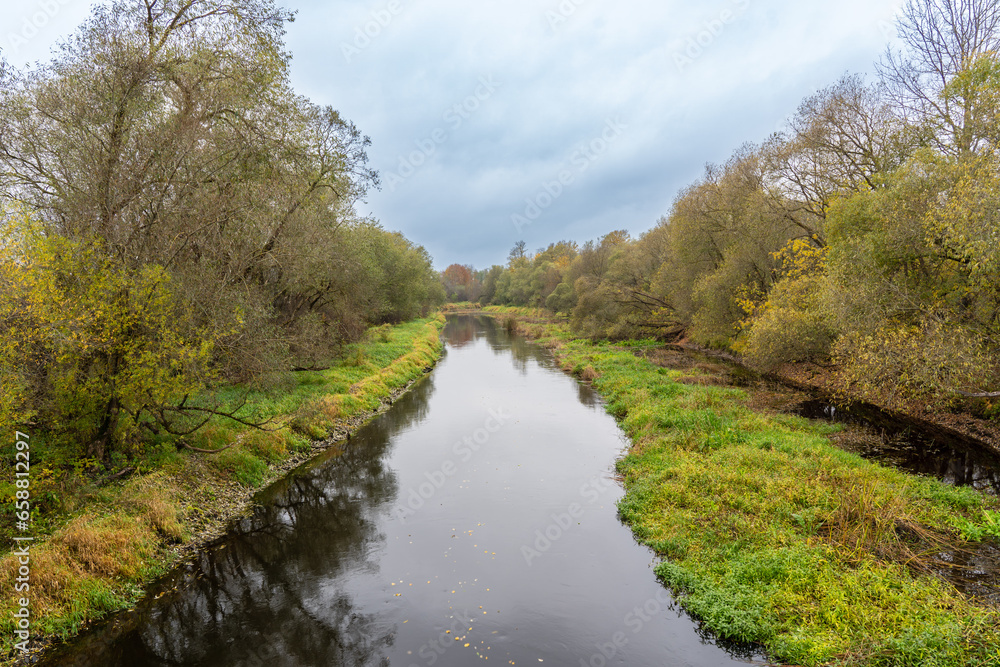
x: 892, y: 441
x: 460, y: 332
x: 521, y: 349
x: 263, y: 596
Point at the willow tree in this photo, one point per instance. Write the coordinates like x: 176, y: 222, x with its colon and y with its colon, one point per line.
x: 940, y: 38
x: 165, y: 145
x: 168, y: 130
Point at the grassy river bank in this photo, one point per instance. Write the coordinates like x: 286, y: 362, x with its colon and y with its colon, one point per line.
x: 98, y: 541
x: 770, y: 534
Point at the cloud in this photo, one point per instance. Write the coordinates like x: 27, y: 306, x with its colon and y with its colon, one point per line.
x: 565, y: 67
x: 562, y: 78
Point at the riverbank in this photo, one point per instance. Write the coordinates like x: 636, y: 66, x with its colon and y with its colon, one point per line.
x: 772, y: 535
x: 960, y: 422
x: 100, y: 541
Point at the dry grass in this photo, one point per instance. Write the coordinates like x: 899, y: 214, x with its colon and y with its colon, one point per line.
x: 92, y: 566
x: 154, y: 499
x: 317, y: 418
x: 112, y: 547
x: 870, y: 520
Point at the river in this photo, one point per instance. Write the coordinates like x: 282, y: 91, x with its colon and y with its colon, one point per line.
x: 475, y: 520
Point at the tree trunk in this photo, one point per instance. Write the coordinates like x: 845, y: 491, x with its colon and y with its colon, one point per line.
x: 101, y: 446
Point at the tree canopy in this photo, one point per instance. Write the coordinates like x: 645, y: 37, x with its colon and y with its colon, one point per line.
x: 161, y: 174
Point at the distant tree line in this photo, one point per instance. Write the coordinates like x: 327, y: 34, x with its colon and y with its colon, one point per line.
x: 176, y: 216
x: 865, y: 236
x: 461, y: 283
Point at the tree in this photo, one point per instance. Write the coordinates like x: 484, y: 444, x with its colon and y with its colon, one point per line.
x: 192, y: 220
x: 623, y: 301
x: 517, y: 253
x: 722, y: 233
x: 458, y: 282
x: 839, y: 141
x: 909, y: 263
x: 168, y: 131
x: 98, y: 352
x: 794, y: 323
x: 942, y: 37
x: 490, y: 278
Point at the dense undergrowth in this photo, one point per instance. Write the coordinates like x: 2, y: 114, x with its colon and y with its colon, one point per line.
x: 97, y: 544
x: 770, y: 534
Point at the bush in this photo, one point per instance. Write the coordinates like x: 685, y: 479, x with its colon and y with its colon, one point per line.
x: 793, y: 325
x: 894, y: 363
x: 562, y: 300
x: 94, y: 349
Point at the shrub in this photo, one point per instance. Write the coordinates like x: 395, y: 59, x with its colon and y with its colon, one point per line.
x: 793, y: 325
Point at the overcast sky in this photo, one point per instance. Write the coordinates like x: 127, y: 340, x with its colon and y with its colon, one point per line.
x: 541, y: 120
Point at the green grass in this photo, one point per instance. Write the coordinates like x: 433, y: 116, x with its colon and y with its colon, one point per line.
x: 769, y: 534
x: 984, y: 527
x: 311, y: 408
x: 519, y: 311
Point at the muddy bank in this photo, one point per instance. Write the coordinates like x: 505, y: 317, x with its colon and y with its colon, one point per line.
x: 960, y: 428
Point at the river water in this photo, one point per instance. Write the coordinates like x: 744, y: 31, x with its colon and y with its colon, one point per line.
x: 473, y: 521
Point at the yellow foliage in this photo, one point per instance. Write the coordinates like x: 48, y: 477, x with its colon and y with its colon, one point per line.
x: 801, y: 257
x: 88, y: 341
x: 791, y: 322
x: 964, y: 223
x: 900, y: 362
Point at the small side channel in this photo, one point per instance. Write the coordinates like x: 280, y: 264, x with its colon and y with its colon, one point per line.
x: 877, y: 435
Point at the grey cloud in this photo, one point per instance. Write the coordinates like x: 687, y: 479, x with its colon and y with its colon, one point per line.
x: 564, y: 74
